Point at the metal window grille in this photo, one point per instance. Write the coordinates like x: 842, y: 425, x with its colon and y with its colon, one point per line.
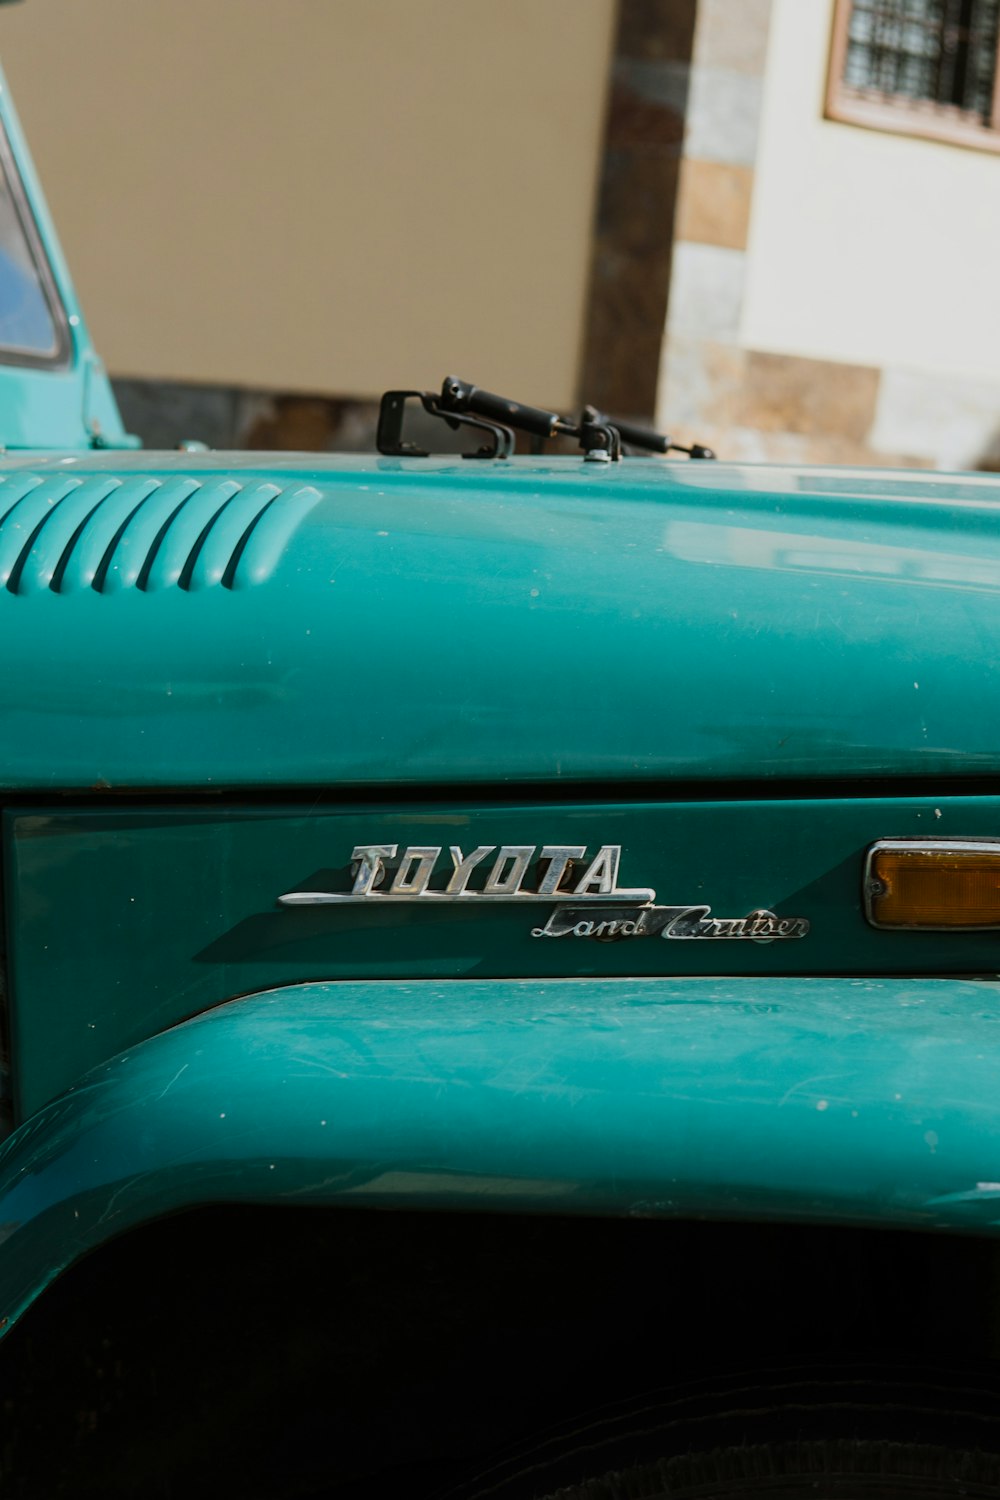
x: 943, y: 52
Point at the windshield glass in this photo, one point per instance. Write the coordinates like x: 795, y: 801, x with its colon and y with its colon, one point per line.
x: 26, y: 323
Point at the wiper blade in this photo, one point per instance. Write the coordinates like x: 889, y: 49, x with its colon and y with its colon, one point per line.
x: 648, y: 438
x: 460, y: 403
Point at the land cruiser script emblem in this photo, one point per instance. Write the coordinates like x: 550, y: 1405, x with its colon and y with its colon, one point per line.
x: 588, y: 901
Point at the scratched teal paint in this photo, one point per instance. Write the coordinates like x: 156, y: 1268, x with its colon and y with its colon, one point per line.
x: 122, y: 922
x: 863, y: 1102
x: 491, y: 624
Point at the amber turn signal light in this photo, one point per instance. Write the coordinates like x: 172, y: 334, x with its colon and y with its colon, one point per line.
x: 931, y: 883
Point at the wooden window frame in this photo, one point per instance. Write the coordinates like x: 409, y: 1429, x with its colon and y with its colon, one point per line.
x: 896, y: 114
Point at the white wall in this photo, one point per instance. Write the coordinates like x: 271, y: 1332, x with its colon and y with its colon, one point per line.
x: 325, y: 195
x: 866, y: 247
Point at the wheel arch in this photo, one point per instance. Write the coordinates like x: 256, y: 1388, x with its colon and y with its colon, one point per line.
x: 637, y: 1099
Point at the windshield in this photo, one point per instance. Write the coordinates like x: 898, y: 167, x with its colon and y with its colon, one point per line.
x: 26, y: 323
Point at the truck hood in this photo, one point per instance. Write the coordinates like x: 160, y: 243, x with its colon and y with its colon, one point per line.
x: 243, y: 620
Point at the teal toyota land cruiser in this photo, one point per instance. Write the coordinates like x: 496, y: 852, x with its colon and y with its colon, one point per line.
x: 500, y: 969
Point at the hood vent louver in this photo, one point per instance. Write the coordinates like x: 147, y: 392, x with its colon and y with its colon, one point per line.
x: 107, y: 533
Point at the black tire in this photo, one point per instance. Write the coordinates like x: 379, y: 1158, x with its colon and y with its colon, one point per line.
x: 878, y: 1434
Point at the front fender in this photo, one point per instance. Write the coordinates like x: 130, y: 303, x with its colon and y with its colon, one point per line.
x: 850, y: 1100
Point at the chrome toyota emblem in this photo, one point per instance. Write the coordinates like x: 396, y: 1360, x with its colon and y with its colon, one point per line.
x: 583, y: 891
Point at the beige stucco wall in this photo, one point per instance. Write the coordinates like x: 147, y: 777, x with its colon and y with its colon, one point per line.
x: 322, y: 195
x: 874, y: 248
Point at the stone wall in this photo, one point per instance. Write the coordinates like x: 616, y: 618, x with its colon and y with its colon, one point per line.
x: 746, y: 403
x: 635, y: 222
x: 780, y: 402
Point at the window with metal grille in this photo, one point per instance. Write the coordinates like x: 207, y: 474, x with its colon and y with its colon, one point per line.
x: 922, y: 67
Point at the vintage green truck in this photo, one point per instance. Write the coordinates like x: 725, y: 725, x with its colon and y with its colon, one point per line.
x: 594, y: 864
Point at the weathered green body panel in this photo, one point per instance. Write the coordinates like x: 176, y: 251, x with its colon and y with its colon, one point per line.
x: 223, y: 674
x: 867, y: 1102
x: 125, y: 922
x: 342, y: 623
